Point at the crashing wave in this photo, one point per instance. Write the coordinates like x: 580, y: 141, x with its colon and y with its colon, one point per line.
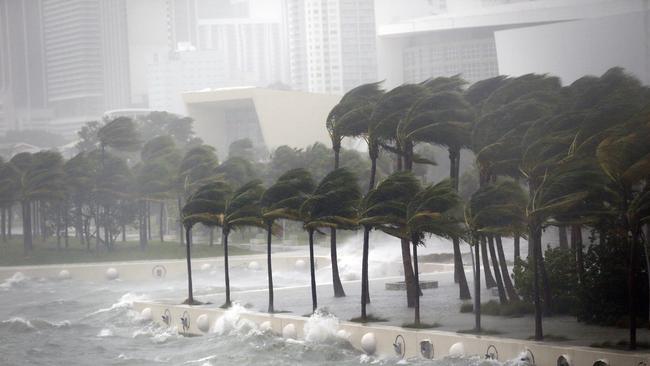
x: 16, y: 280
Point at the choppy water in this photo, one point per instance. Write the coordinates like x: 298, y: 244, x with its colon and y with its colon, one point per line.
x: 76, y: 322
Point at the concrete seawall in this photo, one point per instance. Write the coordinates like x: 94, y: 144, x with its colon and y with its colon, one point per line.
x: 503, y: 349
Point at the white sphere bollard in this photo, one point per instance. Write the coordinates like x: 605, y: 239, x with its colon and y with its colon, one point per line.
x: 203, y: 323
x: 146, y: 314
x: 342, y: 334
x: 300, y: 265
x: 205, y: 267
x: 457, y: 350
x: 253, y: 266
x: 64, y: 274
x: 289, y: 331
x: 369, y: 343
x: 112, y: 274
x: 266, y: 326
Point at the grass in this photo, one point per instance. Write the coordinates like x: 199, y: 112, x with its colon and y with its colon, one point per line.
x: 483, y: 331
x: 620, y: 345
x: 12, y: 253
x: 493, y: 307
x: 370, y: 318
x: 421, y: 325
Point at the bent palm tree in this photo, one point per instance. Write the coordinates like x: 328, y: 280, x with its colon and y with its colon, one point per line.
x: 384, y: 205
x: 242, y: 210
x: 205, y: 206
x: 333, y: 204
x: 282, y: 200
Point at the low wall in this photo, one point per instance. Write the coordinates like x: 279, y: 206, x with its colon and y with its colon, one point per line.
x: 152, y: 269
x: 545, y: 354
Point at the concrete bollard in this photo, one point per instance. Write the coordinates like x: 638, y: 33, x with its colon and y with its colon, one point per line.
x: 289, y: 331
x: 300, y: 265
x: 112, y: 274
x: 457, y: 350
x: 266, y: 326
x: 203, y: 323
x: 254, y: 266
x: 369, y: 343
x: 64, y: 274
x: 205, y: 267
x: 146, y: 314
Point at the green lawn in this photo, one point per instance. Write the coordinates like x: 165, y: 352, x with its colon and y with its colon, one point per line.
x: 12, y: 253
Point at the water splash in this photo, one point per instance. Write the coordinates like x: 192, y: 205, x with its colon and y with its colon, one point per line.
x: 16, y: 280
x: 321, y: 327
x: 124, y: 302
x: 232, y: 322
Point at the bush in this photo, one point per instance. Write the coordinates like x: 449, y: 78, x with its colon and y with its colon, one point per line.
x: 603, y: 293
x: 560, y: 267
x: 493, y: 307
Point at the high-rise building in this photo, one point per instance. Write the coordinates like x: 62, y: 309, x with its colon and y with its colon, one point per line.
x: 86, y: 54
x: 216, y: 44
x: 23, y: 98
x: 331, y: 44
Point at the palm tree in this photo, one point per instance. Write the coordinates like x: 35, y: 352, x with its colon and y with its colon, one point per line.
x: 383, y: 205
x: 387, y: 113
x: 206, y: 206
x: 352, y: 117
x: 411, y: 212
x: 333, y: 204
x: 444, y: 118
x: 241, y: 210
x: 196, y: 169
x: 282, y: 200
x: 624, y: 156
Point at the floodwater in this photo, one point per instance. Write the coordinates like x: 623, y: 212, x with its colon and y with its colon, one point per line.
x: 76, y: 322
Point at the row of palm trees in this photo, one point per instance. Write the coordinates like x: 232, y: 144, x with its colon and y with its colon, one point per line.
x: 547, y: 155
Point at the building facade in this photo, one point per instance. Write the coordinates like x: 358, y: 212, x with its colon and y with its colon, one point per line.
x: 331, y: 44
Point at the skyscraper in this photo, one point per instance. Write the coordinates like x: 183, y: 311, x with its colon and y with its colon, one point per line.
x: 86, y: 53
x: 23, y: 97
x: 331, y: 44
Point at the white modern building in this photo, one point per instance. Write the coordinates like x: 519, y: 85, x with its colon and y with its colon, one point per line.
x: 269, y: 118
x: 331, y: 44
x: 483, y: 38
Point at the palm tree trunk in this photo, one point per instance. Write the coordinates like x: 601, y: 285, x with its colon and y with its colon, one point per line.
x: 65, y: 224
x: 459, y: 268
x: 507, y: 281
x: 364, y: 273
x: 180, y: 219
x: 632, y: 288
x: 517, y: 255
x: 534, y: 238
x: 190, y: 295
x: 211, y: 236
x: 312, y: 268
x: 10, y: 217
x: 373, y: 173
x: 564, y: 243
x: 161, y: 222
x: 546, y: 286
x: 148, y: 210
x: 3, y: 220
x: 269, y: 270
x: 27, y: 226
x: 226, y: 232
x: 336, y: 279
x: 576, y: 237
x: 123, y: 233
x: 503, y: 299
x: 417, y: 285
x: 477, y: 287
x: 489, y: 280
x: 409, y: 278
x: 57, y: 227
